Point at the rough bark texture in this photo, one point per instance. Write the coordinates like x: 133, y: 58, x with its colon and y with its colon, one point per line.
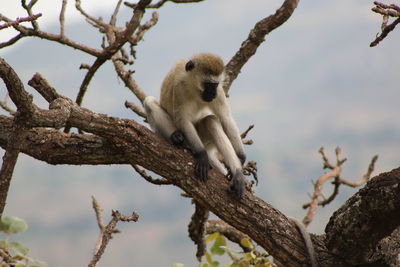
x: 370, y: 215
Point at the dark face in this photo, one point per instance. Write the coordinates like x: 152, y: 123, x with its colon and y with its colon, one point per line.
x: 210, y: 91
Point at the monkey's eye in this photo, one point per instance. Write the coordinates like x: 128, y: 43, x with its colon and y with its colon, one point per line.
x: 189, y: 65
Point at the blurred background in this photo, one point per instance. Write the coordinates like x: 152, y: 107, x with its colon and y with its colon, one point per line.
x: 314, y: 82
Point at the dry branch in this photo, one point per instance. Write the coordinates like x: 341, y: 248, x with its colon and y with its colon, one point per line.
x: 197, y: 229
x: 4, y: 105
x: 138, y: 110
x: 148, y: 178
x: 19, y: 20
x: 255, y: 38
x: 335, y: 174
x: 386, y: 11
x: 162, y: 2
x: 107, y: 231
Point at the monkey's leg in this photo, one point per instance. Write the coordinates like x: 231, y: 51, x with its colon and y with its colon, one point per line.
x: 224, y: 146
x: 161, y: 122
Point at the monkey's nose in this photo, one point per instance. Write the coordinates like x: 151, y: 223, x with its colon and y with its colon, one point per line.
x: 210, y: 91
x: 210, y: 86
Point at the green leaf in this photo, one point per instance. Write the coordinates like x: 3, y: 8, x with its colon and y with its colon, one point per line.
x: 208, y: 257
x: 12, y: 225
x: 245, y: 242
x: 215, y: 264
x: 19, y: 249
x: 217, y: 248
x: 178, y: 265
x: 211, y: 237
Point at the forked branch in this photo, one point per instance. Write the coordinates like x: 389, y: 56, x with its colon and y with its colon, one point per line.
x: 334, y: 173
x: 386, y: 11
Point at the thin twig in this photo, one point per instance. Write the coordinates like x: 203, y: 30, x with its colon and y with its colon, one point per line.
x: 113, y: 19
x: 99, y: 214
x: 386, y: 11
x: 28, y: 9
x: 162, y: 2
x: 62, y: 17
x: 317, y: 192
x: 365, y: 177
x: 106, y: 233
x: 244, y: 134
x: 5, y: 106
x: 334, y: 173
x: 19, y: 20
x: 138, y: 110
x: 92, y: 20
x: 148, y: 178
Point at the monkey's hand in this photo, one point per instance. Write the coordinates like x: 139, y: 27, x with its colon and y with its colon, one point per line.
x: 202, y: 165
x: 242, y: 157
x: 177, y: 138
x: 237, y: 184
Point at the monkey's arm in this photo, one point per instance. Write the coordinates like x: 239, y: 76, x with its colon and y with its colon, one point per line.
x: 195, y: 143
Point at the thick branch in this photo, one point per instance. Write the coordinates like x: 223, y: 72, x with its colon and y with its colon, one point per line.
x: 56, y: 147
x: 255, y: 38
x: 366, y: 218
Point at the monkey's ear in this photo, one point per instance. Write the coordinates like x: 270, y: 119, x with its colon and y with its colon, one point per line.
x: 189, y: 65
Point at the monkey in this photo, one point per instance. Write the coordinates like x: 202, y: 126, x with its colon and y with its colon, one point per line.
x: 193, y: 108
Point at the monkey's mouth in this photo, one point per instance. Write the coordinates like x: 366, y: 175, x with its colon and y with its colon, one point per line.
x: 210, y: 91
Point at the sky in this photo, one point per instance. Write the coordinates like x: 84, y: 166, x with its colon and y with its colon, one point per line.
x: 314, y: 82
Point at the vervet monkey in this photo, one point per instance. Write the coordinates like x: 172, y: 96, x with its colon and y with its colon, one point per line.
x: 193, y: 108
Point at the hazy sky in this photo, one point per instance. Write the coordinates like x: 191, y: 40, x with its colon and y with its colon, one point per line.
x: 314, y: 82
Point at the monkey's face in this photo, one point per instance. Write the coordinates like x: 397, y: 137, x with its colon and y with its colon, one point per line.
x: 209, y: 90
x: 206, y: 73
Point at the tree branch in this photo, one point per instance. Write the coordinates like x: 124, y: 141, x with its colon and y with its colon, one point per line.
x: 386, y: 11
x: 107, y: 232
x: 366, y: 218
x: 335, y: 174
x: 162, y: 2
x: 197, y: 228
x: 19, y: 20
x: 255, y: 38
